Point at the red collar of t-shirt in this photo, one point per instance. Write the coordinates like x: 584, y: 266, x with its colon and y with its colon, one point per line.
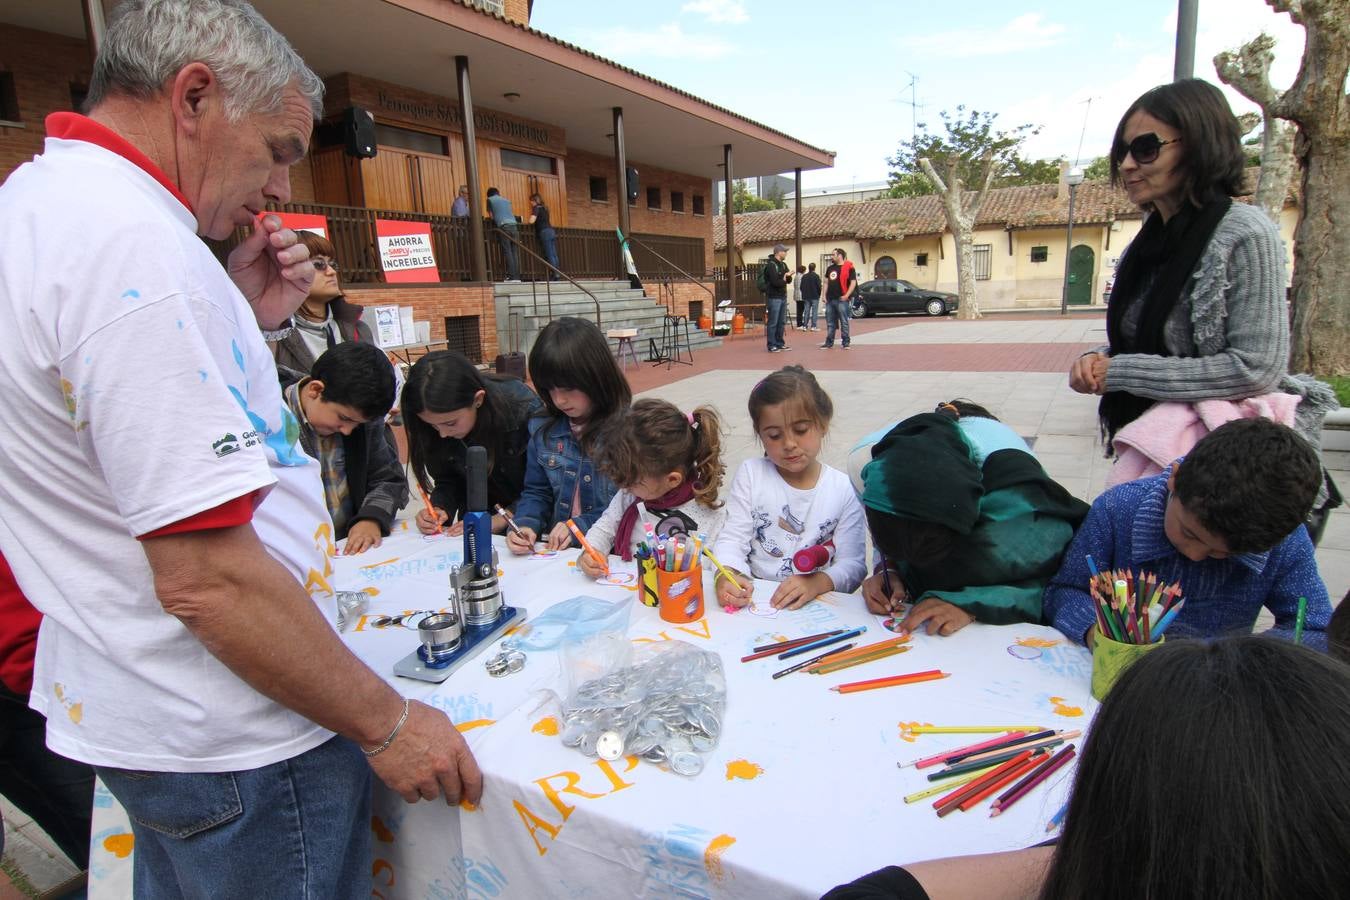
x: 71, y: 126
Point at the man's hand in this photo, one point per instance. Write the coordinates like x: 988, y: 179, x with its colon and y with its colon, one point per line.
x: 362, y: 536
x: 272, y: 270
x: 429, y: 758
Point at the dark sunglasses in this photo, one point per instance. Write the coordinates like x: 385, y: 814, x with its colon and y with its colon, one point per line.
x: 1144, y: 148
x: 323, y: 265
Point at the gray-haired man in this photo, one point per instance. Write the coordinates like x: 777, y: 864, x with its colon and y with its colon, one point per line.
x: 176, y: 540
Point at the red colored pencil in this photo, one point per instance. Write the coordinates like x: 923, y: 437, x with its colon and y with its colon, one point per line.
x: 1030, y: 782
x: 966, y: 790
x: 781, y: 645
x: 1008, y: 778
x: 786, y: 645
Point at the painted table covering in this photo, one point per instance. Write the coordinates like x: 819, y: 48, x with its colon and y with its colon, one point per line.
x: 802, y: 792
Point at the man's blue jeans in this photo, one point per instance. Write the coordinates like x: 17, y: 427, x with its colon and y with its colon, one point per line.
x: 810, y: 315
x: 775, y: 313
x: 548, y: 243
x: 836, y: 312
x: 294, y: 830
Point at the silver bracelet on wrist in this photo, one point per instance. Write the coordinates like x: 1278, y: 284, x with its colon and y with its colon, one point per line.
x: 278, y: 334
x: 393, y: 734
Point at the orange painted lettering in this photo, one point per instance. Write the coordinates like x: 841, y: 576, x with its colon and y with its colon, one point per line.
x: 534, y: 824
x: 569, y: 788
x: 614, y: 778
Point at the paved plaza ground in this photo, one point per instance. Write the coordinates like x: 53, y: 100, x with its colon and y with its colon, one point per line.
x: 1014, y: 364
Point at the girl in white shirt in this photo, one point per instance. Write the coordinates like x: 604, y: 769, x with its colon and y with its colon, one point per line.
x: 788, y: 500
x: 668, y: 461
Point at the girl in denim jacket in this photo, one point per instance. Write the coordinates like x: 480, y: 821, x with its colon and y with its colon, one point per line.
x: 582, y: 388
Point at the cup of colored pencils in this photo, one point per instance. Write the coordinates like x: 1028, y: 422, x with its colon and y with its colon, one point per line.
x: 1133, y: 612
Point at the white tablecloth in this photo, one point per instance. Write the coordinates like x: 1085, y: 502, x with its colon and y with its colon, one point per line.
x: 802, y: 792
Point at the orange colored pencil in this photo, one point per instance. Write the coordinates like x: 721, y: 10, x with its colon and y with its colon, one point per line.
x: 825, y: 667
x: 872, y: 648
x: 1006, y: 778
x: 891, y: 681
x: 431, y: 510
x: 586, y: 545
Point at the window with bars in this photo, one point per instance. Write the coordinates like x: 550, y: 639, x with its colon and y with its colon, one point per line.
x: 1040, y: 254
x: 983, y: 254
x: 461, y: 333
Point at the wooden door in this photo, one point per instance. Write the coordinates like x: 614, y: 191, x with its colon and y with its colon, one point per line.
x: 389, y: 180
x: 437, y: 184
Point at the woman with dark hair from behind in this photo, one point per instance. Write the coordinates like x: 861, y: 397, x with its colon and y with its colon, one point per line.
x: 1213, y: 769
x: 1197, y: 311
x: 448, y: 406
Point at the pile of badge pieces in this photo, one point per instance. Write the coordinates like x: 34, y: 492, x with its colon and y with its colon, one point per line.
x: 665, y: 708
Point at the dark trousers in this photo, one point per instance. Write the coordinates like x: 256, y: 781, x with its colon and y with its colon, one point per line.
x: 57, y: 792
x: 509, y: 250
x: 801, y: 308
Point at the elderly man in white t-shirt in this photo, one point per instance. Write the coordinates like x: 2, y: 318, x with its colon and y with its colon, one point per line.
x: 154, y: 503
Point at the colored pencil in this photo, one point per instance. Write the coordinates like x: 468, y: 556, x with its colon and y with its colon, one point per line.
x: 1130, y: 607
x: 783, y: 645
x: 586, y: 545
x: 970, y: 729
x: 1167, y: 618
x: 975, y: 763
x: 1050, y: 741
x: 810, y: 662
x: 1058, y: 817
x: 947, y: 785
x: 1005, y: 743
x: 891, y: 681
x: 721, y: 568
x: 836, y: 665
x: 774, y: 651
x: 1032, y: 780
x: 825, y: 642
x: 510, y: 522
x: 927, y: 761
x: 1007, y: 778
x: 867, y: 649
x: 431, y: 510
x: 956, y: 796
x: 1299, y: 620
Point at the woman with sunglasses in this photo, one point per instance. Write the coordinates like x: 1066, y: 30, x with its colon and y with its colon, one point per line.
x: 324, y: 319
x: 1197, y: 311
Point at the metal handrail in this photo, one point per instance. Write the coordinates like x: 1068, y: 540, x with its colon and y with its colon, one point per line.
x: 548, y: 284
x: 649, y: 249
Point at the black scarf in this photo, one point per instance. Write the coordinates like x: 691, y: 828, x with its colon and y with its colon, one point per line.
x: 1154, y: 272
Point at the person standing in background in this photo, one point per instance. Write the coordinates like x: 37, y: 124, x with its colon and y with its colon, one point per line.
x: 810, y: 283
x: 507, y: 234
x: 460, y: 208
x: 841, y: 283
x: 543, y: 228
x: 797, y: 295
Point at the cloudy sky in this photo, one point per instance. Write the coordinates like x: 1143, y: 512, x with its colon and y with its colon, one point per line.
x: 844, y: 75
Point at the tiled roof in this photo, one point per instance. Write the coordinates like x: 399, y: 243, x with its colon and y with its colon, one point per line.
x: 609, y: 62
x: 1027, y: 206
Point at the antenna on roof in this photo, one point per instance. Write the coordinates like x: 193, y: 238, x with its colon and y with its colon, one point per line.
x: 914, y: 105
x: 1078, y: 157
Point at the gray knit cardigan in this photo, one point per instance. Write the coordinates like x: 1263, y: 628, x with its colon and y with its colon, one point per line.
x: 1229, y: 340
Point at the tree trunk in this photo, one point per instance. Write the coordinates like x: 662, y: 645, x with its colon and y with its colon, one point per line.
x: 1277, y: 167
x: 969, y: 307
x: 1322, y: 261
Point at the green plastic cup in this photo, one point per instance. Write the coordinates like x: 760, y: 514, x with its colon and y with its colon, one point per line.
x: 1110, y: 658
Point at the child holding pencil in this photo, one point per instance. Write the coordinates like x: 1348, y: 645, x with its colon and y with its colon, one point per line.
x: 1225, y: 523
x: 666, y: 461
x: 788, y: 500
x: 584, y: 391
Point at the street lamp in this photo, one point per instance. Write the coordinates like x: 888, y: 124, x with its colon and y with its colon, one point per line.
x: 1073, y: 178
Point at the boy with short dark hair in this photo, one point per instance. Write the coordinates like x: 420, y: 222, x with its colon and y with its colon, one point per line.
x: 341, y: 407
x: 1225, y: 522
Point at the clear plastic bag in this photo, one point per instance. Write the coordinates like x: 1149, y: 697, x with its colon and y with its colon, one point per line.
x: 663, y: 702
x: 574, y: 620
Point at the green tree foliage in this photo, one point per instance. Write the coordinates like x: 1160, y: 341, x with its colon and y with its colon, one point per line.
x: 1098, y: 170
x: 743, y: 201
x: 968, y: 136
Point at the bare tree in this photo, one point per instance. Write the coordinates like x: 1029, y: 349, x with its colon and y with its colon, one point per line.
x: 1318, y: 106
x: 963, y: 207
x: 1248, y: 71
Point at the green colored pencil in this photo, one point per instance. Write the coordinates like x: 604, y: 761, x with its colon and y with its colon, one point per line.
x: 1298, y: 621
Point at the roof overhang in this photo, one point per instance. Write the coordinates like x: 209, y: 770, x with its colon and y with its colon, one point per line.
x: 414, y: 43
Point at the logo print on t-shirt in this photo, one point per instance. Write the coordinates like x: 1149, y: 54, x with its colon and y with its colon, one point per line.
x: 226, y: 444
x: 281, y: 442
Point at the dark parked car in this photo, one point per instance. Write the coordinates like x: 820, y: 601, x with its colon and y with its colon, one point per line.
x: 885, y: 295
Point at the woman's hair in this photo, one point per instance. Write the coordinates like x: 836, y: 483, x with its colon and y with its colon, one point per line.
x: 1212, y: 161
x: 799, y: 389
x: 572, y: 354
x: 911, y: 541
x: 963, y: 409
x: 318, y: 244
x: 442, y: 382
x: 537, y: 199
x: 655, y: 438
x: 1213, y: 769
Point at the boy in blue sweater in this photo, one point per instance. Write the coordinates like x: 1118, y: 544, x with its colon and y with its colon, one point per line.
x: 1225, y: 522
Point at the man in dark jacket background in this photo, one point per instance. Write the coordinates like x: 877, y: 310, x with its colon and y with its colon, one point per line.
x: 776, y: 278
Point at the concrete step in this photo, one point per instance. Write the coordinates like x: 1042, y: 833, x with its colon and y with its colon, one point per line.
x: 624, y: 308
